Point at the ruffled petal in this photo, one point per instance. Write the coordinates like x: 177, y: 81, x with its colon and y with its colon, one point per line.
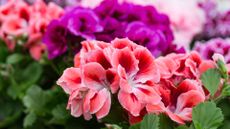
x: 130, y: 103
x: 104, y: 111
x: 98, y: 100
x: 70, y: 80
x: 147, y: 67
x: 94, y: 75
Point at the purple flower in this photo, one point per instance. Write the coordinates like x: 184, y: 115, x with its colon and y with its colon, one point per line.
x: 153, y: 39
x: 217, y: 23
x: 55, y: 39
x: 111, y: 19
x: 106, y: 8
x: 218, y: 45
x: 84, y: 23
x: 112, y: 29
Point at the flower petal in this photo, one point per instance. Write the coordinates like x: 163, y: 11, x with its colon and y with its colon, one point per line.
x: 94, y: 75
x: 130, y: 103
x: 126, y: 59
x: 147, y: 68
x: 146, y: 94
x: 70, y: 80
x: 189, y: 100
x: 105, y: 109
x: 98, y: 100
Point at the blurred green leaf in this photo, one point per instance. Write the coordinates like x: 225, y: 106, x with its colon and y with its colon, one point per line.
x: 150, y: 121
x: 182, y: 127
x: 225, y: 105
x: 36, y: 100
x: 14, y: 58
x: 29, y: 119
x: 22, y: 79
x: 165, y: 122
x: 226, y: 125
x: 10, y: 110
x: 223, y: 69
x: 226, y: 90
x: 60, y: 114
x: 211, y: 80
x: 207, y: 116
x: 3, y: 52
x: 135, y: 126
x: 31, y: 74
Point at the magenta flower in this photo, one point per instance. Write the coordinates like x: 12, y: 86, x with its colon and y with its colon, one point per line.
x: 209, y: 48
x: 55, y: 39
x: 111, y: 19
x: 84, y: 23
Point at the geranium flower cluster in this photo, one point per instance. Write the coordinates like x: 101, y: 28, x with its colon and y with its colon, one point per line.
x: 208, y: 48
x: 19, y: 21
x: 217, y: 22
x: 111, y: 19
x: 141, y: 83
x: 184, y: 23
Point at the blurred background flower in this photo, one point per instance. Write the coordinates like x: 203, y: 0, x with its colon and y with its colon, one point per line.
x: 208, y: 48
x: 111, y: 19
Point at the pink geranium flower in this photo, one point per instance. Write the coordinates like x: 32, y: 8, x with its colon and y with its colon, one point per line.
x: 102, y: 69
x: 90, y: 85
x: 32, y: 21
x: 89, y: 93
x: 169, y: 84
x: 178, y: 101
x: 13, y: 28
x: 180, y: 87
x: 137, y: 71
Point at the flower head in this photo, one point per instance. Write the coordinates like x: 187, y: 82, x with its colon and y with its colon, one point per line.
x: 103, y: 69
x: 113, y: 19
x: 209, y: 48
x: 55, y: 39
x: 84, y: 22
x: 180, y: 86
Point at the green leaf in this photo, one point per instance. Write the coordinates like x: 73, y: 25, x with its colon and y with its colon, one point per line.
x: 226, y: 90
x: 207, y: 116
x: 165, y: 122
x: 223, y: 69
x: 29, y: 119
x: 60, y: 114
x: 3, y: 52
x: 224, y: 105
x: 135, y: 126
x: 182, y: 127
x: 150, y: 121
x: 211, y: 80
x: 22, y: 79
x: 226, y: 125
x: 36, y: 100
x: 10, y: 111
x: 14, y: 58
x: 31, y: 74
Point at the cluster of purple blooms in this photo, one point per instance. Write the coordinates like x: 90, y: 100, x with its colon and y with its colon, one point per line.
x: 218, y: 45
x: 111, y: 19
x: 217, y: 23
